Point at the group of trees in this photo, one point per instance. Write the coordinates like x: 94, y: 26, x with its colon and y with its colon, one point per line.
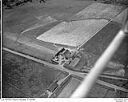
x: 125, y: 2
x: 12, y: 3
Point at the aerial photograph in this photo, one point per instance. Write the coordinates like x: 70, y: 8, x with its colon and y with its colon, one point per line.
x: 64, y: 49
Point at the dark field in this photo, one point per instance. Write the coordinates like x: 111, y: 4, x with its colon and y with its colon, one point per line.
x: 26, y: 78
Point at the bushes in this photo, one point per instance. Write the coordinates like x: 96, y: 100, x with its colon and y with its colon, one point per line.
x: 124, y: 2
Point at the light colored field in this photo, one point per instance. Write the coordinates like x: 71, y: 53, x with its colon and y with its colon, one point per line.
x: 73, y: 33
x: 99, y: 10
x: 77, y: 32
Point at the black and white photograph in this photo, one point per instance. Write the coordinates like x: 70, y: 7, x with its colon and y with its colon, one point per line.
x: 64, y: 49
